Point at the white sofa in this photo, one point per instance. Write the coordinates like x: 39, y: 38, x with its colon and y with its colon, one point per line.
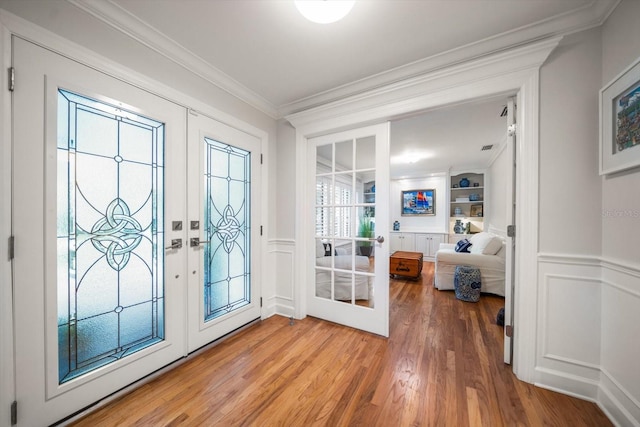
x: 487, y: 253
x: 342, y: 261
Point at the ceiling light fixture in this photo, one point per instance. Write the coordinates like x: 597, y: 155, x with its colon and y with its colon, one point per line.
x: 324, y: 11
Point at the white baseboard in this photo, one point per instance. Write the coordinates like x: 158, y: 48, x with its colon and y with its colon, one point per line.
x: 569, y: 384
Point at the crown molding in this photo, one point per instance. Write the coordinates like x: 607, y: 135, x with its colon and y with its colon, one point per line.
x: 399, y: 98
x: 588, y: 16
x: 121, y: 20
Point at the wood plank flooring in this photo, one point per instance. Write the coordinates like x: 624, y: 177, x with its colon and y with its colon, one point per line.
x: 441, y: 366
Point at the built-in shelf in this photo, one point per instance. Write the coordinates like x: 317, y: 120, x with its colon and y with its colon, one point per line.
x: 468, y: 211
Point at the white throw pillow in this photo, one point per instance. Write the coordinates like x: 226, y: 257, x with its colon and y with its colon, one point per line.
x: 319, y: 248
x: 485, y: 244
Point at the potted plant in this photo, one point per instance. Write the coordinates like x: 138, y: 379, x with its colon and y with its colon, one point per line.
x: 365, y: 229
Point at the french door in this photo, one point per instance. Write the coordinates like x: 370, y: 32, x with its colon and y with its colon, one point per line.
x: 349, y: 175
x: 108, y: 288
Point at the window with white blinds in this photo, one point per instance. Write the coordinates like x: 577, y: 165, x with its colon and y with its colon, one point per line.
x: 333, y: 213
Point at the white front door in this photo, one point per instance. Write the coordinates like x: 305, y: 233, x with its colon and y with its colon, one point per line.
x: 109, y: 285
x: 349, y: 175
x: 224, y: 229
x: 98, y: 177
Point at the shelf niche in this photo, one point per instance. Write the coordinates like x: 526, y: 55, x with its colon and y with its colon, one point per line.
x: 468, y: 201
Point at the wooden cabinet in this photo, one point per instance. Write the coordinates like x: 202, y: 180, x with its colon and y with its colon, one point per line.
x: 403, y: 242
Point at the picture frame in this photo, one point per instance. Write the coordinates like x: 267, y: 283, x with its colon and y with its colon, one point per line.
x: 620, y: 122
x: 418, y: 202
x: 477, y: 210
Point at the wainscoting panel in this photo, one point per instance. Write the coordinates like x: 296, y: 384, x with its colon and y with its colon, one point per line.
x: 589, y: 332
x: 281, y: 253
x: 569, y: 319
x: 620, y: 388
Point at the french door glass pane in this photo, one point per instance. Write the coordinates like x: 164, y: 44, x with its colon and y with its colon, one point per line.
x: 345, y: 221
x: 227, y: 260
x: 110, y: 233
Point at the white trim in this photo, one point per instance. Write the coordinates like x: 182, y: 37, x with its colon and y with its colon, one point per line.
x: 621, y: 388
x: 526, y: 264
x: 78, y: 53
x: 609, y: 400
x: 590, y: 15
x: 592, y: 366
x: 569, y: 384
x: 479, y: 78
x: 116, y: 17
x: 7, y: 367
x: 515, y: 71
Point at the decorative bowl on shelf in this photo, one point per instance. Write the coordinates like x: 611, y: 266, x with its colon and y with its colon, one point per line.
x: 474, y: 197
x: 464, y: 182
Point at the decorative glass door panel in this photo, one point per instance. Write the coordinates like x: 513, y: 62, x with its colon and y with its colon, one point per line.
x: 110, y: 233
x: 227, y: 207
x: 99, y: 176
x: 223, y: 208
x: 349, y: 284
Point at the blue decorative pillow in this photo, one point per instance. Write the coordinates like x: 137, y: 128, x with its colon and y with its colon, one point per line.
x: 463, y: 245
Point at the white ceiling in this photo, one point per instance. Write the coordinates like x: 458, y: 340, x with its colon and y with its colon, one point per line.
x: 448, y: 138
x: 283, y: 63
x: 267, y: 54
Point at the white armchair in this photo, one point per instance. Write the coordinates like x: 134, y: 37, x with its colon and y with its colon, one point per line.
x: 487, y: 253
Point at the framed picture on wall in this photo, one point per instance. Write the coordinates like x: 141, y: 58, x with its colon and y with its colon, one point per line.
x: 620, y: 122
x: 419, y: 202
x: 476, y: 210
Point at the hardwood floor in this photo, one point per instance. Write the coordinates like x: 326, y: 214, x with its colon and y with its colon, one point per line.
x: 441, y: 366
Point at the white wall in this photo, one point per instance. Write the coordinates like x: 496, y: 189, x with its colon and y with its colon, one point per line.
x: 589, y: 280
x: 620, y: 347
x: 435, y: 224
x: 570, y: 188
x: 569, y: 315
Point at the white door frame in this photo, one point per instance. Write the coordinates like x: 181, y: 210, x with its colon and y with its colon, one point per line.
x: 11, y: 24
x: 509, y: 72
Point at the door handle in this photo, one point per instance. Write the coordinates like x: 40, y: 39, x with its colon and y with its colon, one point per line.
x: 195, y: 242
x: 378, y: 239
x: 175, y: 244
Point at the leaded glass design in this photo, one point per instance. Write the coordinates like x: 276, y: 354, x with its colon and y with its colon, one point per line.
x: 109, y: 232
x: 227, y: 256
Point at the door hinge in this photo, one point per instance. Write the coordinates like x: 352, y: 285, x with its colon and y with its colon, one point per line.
x: 12, y: 79
x: 12, y: 246
x: 260, y: 302
x: 261, y: 158
x: 14, y: 413
x: 511, y: 230
x: 261, y: 230
x: 508, y: 331
x: 512, y: 129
